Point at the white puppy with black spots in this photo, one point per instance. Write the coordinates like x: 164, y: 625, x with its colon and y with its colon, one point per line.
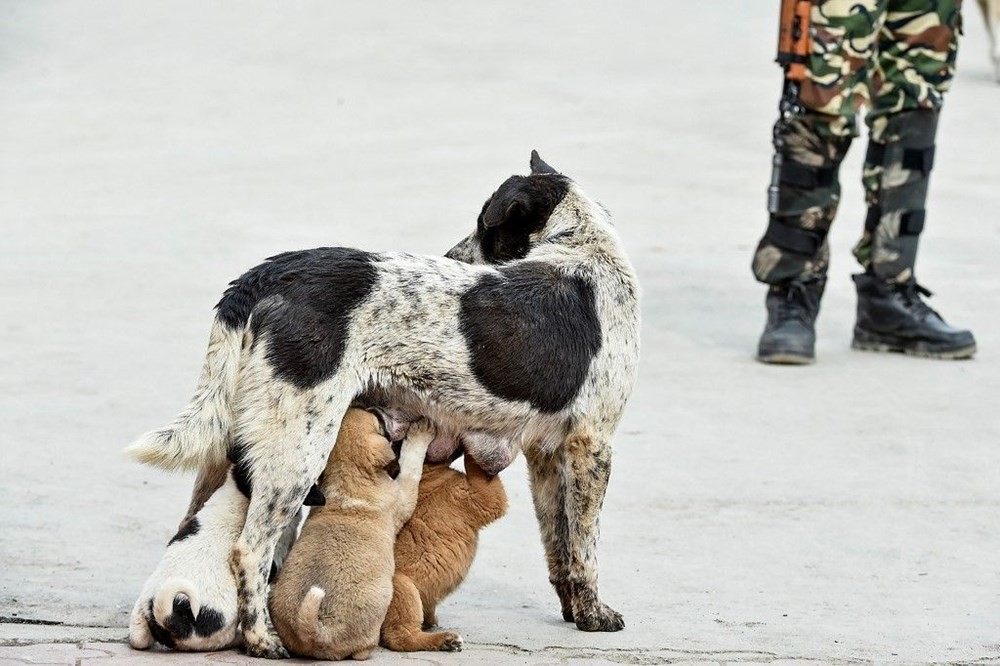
x: 190, y: 600
x: 526, y: 334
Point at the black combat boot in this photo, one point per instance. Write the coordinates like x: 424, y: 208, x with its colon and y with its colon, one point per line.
x: 790, y: 335
x: 893, y: 317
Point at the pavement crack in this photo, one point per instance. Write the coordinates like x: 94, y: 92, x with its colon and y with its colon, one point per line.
x: 6, y: 619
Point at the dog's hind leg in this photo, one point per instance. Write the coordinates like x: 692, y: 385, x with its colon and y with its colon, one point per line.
x: 283, y: 438
x: 210, y: 478
x: 548, y: 491
x: 401, y: 628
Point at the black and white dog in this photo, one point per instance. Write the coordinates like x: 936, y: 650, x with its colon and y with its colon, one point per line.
x: 526, y: 332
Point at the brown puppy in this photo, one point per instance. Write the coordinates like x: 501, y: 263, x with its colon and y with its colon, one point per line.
x: 434, y: 552
x: 330, y: 598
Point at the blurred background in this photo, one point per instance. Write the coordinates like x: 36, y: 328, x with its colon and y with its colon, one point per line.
x: 151, y: 152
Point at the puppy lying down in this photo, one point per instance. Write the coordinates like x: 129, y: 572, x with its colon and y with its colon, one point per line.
x: 189, y: 601
x: 331, y: 596
x: 434, y: 552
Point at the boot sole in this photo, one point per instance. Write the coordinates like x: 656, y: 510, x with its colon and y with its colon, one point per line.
x: 785, y: 358
x: 866, y: 341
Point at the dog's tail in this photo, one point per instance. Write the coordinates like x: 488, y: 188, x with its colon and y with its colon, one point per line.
x: 199, y: 435
x: 310, y: 626
x: 169, y: 601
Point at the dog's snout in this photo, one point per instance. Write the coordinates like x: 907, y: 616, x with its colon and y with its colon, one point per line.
x: 464, y: 251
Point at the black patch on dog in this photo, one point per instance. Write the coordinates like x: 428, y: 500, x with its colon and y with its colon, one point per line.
x: 160, y: 635
x: 189, y: 528
x: 274, y: 573
x: 291, y: 275
x: 181, y: 623
x: 531, y: 333
x: 307, y: 321
x: 241, y: 467
x: 314, y: 497
x: 520, y: 206
x: 209, y: 621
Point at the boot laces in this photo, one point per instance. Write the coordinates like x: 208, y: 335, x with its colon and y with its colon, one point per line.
x: 911, y: 292
x: 799, y: 302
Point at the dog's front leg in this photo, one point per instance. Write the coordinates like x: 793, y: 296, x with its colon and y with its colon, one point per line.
x: 587, y: 469
x: 411, y: 465
x: 548, y: 492
x: 568, y: 523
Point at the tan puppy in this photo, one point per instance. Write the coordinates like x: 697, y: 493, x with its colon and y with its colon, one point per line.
x: 434, y: 551
x: 329, y: 600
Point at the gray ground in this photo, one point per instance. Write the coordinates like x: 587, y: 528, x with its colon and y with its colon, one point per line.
x: 149, y: 152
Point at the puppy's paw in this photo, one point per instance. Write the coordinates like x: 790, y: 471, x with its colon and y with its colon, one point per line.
x: 419, y: 437
x: 452, y: 642
x: 139, y: 635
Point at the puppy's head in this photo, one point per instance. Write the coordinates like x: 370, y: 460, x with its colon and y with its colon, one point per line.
x: 516, y: 217
x: 362, y: 449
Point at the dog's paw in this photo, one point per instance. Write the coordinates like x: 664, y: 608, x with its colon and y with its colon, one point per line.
x: 452, y: 643
x: 598, y: 617
x: 264, y: 646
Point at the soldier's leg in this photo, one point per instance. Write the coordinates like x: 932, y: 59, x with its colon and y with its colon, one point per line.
x: 793, y: 255
x: 917, y: 48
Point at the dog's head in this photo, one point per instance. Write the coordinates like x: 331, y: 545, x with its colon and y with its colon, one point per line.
x: 516, y: 217
x: 362, y: 449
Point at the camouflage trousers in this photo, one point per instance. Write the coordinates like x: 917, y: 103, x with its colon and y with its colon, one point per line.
x: 897, y: 59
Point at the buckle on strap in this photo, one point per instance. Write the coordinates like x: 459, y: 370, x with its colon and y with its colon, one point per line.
x: 911, y: 223
x: 875, y: 154
x: 800, y: 175
x: 873, y: 218
x: 919, y: 159
x: 792, y: 238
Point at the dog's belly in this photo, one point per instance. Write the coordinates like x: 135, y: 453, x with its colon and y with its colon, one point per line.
x: 493, y: 452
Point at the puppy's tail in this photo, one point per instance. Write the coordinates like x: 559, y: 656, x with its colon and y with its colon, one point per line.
x: 168, y: 601
x: 310, y: 626
x: 199, y: 435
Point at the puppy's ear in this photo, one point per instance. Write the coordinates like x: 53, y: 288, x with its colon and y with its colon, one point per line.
x: 383, y: 457
x: 538, y: 165
x: 315, y: 497
x: 383, y: 427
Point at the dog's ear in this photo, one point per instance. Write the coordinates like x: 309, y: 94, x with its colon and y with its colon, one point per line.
x: 506, y: 208
x: 538, y: 165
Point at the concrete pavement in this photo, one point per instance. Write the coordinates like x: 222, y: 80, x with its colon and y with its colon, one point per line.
x: 150, y: 152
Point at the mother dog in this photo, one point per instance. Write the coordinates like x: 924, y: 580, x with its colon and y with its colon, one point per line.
x: 527, y: 331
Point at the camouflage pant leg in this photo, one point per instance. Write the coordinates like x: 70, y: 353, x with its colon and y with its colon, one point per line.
x: 844, y: 46
x: 795, y: 242
x: 917, y: 47
x: 916, y: 63
x: 844, y: 37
